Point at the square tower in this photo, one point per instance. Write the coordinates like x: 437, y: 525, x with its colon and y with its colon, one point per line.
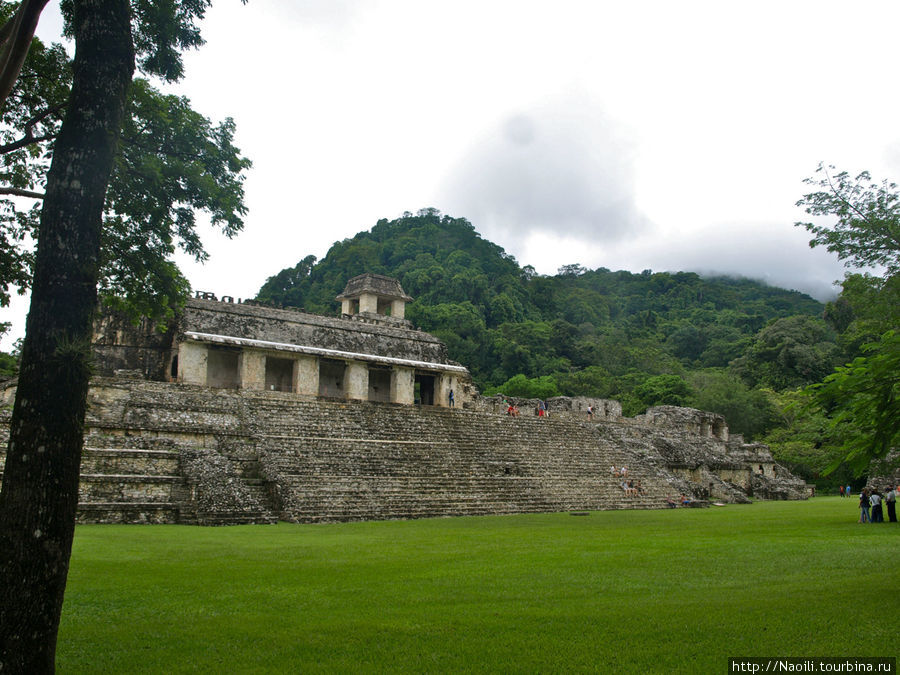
x: 374, y: 294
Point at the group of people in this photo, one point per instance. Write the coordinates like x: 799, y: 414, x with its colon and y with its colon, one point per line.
x: 672, y: 504
x: 874, y: 499
x: 543, y: 410
x: 632, y: 488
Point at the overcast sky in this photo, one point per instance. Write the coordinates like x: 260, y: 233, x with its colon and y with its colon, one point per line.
x: 627, y: 135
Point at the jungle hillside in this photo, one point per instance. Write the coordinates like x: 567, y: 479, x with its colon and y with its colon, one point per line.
x: 729, y: 345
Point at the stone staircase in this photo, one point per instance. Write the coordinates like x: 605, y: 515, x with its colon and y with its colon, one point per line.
x: 164, y: 453
x: 126, y: 484
x: 351, y: 461
x: 152, y: 455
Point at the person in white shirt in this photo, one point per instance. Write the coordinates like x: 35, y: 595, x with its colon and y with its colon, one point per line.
x: 875, y: 502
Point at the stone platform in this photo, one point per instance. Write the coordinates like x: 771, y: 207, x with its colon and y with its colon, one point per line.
x: 173, y: 453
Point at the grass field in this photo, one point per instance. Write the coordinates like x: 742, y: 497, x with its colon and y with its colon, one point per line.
x: 675, y: 591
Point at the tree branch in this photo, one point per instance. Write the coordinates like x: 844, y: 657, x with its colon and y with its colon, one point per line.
x: 16, y: 42
x: 17, y: 192
x: 30, y: 124
x: 24, y: 142
x: 7, y: 30
x: 156, y: 150
x: 29, y: 138
x: 846, y: 201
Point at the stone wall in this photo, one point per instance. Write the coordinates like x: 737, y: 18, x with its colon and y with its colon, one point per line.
x: 120, y: 344
x: 573, y: 408
x: 885, y: 472
x: 244, y: 345
x: 300, y: 328
x: 689, y: 420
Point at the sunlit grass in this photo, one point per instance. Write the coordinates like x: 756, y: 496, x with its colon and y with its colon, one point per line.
x: 668, y: 591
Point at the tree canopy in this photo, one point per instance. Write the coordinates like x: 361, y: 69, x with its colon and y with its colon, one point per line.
x: 860, y: 400
x: 864, y: 230
x: 172, y: 163
x: 590, y: 332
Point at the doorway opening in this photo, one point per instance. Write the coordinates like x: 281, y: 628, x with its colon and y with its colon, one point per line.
x: 424, y: 389
x: 223, y: 367
x: 331, y: 378
x: 380, y: 384
x: 279, y: 374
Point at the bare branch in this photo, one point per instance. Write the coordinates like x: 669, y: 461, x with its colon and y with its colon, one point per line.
x: 17, y: 192
x: 25, y: 142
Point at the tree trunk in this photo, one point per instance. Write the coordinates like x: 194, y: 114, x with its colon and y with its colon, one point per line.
x: 40, y: 484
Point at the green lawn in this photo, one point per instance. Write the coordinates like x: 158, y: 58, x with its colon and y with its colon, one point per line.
x: 675, y: 591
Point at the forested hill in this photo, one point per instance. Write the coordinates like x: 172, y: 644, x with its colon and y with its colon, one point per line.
x: 594, y: 332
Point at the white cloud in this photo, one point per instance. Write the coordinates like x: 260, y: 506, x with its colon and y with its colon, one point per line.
x: 774, y: 253
x: 563, y: 167
x: 623, y: 135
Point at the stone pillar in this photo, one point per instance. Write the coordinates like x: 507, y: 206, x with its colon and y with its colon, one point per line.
x: 192, y: 363
x: 368, y: 302
x: 356, y: 381
x: 253, y: 370
x: 403, y: 385
x: 445, y: 382
x: 398, y: 309
x: 346, y: 305
x: 306, y: 375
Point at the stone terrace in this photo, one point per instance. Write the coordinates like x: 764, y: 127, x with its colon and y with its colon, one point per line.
x: 351, y: 461
x: 158, y: 452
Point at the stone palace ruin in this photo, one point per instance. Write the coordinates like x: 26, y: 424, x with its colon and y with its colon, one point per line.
x: 244, y: 413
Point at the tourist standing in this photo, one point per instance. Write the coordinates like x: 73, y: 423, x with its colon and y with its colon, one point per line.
x: 891, y: 500
x: 864, y: 506
x: 450, y: 396
x: 841, y: 488
x: 875, y: 502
